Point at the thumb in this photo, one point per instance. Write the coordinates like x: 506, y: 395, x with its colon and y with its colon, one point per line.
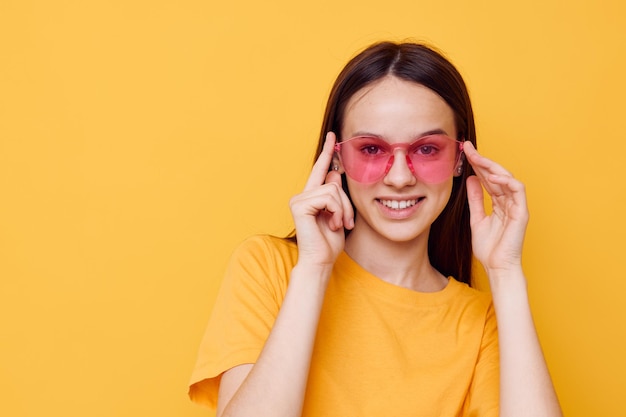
x: 333, y: 176
x: 475, y: 199
x: 348, y: 211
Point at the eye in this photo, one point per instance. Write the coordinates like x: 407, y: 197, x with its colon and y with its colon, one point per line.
x: 432, y: 146
x: 371, y: 149
x: 426, y: 149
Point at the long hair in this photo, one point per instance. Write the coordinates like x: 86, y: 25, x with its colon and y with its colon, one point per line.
x: 449, y: 244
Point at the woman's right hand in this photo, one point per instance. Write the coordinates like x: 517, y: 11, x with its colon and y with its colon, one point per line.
x: 276, y: 384
x: 321, y: 212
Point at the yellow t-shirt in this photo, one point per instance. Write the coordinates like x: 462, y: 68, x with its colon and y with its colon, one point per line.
x: 380, y: 349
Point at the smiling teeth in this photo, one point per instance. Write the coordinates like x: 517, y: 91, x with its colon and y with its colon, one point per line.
x: 398, y: 204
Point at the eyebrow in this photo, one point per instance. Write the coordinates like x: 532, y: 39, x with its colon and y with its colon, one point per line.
x: 421, y: 135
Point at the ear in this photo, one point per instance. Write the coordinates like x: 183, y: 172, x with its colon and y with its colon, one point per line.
x: 458, y: 169
x: 336, y: 164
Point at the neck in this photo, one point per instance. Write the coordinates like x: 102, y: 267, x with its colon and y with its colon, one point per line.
x: 405, y: 264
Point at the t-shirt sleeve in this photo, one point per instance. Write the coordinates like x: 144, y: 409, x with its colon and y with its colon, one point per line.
x: 243, y: 315
x: 483, y: 398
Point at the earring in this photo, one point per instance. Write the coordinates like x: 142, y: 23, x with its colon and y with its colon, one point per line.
x: 459, y: 169
x: 335, y: 167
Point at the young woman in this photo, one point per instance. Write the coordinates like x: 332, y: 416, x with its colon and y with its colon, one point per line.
x: 371, y: 312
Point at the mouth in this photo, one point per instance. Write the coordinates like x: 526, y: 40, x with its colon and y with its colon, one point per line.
x: 400, y: 204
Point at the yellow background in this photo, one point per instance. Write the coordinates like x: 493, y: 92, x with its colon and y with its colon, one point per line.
x: 140, y: 141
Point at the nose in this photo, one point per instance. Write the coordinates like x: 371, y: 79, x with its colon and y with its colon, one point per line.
x: 400, y: 174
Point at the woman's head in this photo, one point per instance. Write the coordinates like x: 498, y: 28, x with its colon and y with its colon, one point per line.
x: 450, y: 240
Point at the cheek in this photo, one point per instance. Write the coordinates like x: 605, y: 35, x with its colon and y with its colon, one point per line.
x: 443, y: 191
x: 444, y: 194
x: 357, y: 192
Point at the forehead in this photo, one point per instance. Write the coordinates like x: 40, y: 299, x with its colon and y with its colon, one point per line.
x: 397, y: 110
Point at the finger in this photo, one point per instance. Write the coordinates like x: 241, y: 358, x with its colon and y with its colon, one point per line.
x: 320, y: 168
x: 475, y: 199
x: 338, y: 209
x: 484, y: 168
x: 513, y: 191
x: 481, y: 163
x: 348, y: 213
x: 323, y: 201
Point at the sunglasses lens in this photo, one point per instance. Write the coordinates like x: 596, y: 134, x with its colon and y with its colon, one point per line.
x: 365, y: 159
x: 432, y: 158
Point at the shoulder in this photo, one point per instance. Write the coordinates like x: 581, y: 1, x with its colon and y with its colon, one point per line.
x: 268, y: 241
x: 263, y: 258
x: 267, y: 248
x: 468, y: 292
x: 477, y: 300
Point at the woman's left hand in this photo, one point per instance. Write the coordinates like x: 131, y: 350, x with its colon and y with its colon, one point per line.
x: 497, y: 239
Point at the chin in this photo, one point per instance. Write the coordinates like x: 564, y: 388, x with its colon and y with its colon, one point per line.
x: 402, y: 233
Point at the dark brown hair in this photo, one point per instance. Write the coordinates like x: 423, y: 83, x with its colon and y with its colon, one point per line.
x: 449, y: 245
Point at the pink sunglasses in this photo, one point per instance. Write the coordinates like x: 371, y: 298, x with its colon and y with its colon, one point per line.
x: 430, y: 158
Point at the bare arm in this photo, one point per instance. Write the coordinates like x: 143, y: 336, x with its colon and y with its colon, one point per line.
x: 525, y: 385
x: 275, y: 385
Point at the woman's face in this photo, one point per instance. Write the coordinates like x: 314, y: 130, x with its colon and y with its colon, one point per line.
x: 399, y: 207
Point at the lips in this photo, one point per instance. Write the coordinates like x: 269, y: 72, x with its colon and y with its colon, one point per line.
x: 400, y: 204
